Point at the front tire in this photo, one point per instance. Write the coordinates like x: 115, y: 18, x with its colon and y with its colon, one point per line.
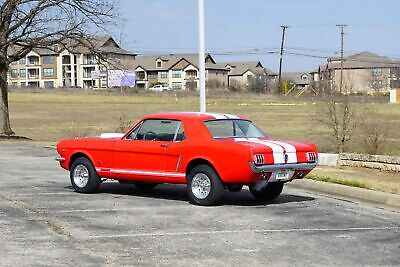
x: 84, y: 178
x: 204, y: 186
x: 270, y: 192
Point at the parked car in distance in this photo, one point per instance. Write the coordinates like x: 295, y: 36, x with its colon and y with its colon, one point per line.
x: 210, y: 152
x: 159, y: 88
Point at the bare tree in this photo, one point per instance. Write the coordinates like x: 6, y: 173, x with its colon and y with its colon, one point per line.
x: 340, y: 119
x: 375, y: 136
x: 28, y: 24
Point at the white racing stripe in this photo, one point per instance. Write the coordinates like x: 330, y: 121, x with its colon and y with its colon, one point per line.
x: 231, y: 116
x: 151, y: 173
x: 290, y: 150
x: 277, y: 150
x: 217, y: 116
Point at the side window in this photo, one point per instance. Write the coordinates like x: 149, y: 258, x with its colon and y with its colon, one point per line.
x: 180, y: 134
x: 158, y: 130
x: 133, y: 134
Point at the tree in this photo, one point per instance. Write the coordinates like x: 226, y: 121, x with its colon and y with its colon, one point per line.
x: 28, y: 24
x: 340, y: 119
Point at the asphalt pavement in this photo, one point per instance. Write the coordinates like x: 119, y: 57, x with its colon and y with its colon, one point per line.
x: 44, y: 222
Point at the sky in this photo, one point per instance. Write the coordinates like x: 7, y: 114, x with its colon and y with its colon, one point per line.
x: 242, y: 30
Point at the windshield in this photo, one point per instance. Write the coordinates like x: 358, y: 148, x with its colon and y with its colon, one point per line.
x: 233, y: 128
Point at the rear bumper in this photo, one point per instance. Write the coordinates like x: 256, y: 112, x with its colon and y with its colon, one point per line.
x: 287, y: 166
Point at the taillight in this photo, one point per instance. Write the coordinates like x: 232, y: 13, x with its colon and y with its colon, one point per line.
x: 259, y: 159
x: 311, y: 156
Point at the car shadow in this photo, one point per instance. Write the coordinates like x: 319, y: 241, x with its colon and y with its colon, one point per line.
x: 179, y: 193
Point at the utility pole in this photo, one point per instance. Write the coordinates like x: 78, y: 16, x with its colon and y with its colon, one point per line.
x: 202, y: 70
x: 341, y: 26
x: 284, y: 27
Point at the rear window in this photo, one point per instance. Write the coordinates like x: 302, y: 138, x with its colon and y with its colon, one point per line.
x: 233, y: 128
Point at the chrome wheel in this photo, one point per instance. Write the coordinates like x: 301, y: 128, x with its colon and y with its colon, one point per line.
x: 81, y: 175
x: 201, y: 185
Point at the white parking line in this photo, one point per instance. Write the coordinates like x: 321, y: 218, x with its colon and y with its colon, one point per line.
x: 44, y: 193
x: 260, y: 231
x: 116, y: 210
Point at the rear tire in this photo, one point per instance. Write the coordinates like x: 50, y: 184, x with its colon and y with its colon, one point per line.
x: 272, y: 191
x: 83, y: 176
x: 204, y: 186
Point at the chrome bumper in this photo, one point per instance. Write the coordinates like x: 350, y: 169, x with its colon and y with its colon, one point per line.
x: 290, y: 166
x: 59, y: 158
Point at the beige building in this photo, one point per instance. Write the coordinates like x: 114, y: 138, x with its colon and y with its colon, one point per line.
x: 241, y: 74
x: 177, y: 71
x: 70, y: 65
x: 363, y: 72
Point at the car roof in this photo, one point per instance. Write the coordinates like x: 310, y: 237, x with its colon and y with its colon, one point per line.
x: 193, y: 115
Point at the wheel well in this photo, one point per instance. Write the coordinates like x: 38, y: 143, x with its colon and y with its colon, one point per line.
x: 196, y: 162
x: 75, y: 156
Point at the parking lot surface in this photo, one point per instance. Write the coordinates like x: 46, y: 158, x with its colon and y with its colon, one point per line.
x: 44, y: 222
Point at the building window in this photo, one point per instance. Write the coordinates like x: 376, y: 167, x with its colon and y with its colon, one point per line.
x: 377, y: 72
x: 159, y: 64
x: 377, y: 84
x: 22, y: 73
x: 191, y: 74
x: 140, y: 75
x: 90, y: 59
x: 22, y: 61
x: 249, y: 77
x: 164, y: 74
x: 48, y: 59
x: 176, y: 85
x: 48, y: 72
x: 33, y: 60
x: 153, y: 74
x: 48, y: 84
x: 14, y: 73
x: 176, y: 74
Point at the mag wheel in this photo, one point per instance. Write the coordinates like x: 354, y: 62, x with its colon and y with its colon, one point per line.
x: 204, y: 186
x: 270, y: 192
x: 84, y: 178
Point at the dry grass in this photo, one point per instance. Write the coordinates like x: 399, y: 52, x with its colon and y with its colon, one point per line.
x: 360, y: 177
x: 53, y: 116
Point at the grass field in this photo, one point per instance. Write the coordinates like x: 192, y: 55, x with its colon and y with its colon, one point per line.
x: 53, y: 116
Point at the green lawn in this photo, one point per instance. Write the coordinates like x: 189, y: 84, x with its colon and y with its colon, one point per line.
x: 52, y: 116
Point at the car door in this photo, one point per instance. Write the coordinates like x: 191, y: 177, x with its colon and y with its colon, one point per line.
x: 142, y: 154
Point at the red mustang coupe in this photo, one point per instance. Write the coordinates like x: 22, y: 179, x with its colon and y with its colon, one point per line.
x: 210, y: 152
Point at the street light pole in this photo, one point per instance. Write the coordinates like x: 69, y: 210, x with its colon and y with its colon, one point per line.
x: 202, y: 71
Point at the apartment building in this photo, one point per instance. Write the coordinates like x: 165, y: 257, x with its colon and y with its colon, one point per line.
x: 70, y: 64
x: 242, y: 73
x: 177, y: 71
x: 362, y: 72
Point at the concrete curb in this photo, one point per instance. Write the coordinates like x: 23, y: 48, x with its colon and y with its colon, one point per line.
x: 366, y: 195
